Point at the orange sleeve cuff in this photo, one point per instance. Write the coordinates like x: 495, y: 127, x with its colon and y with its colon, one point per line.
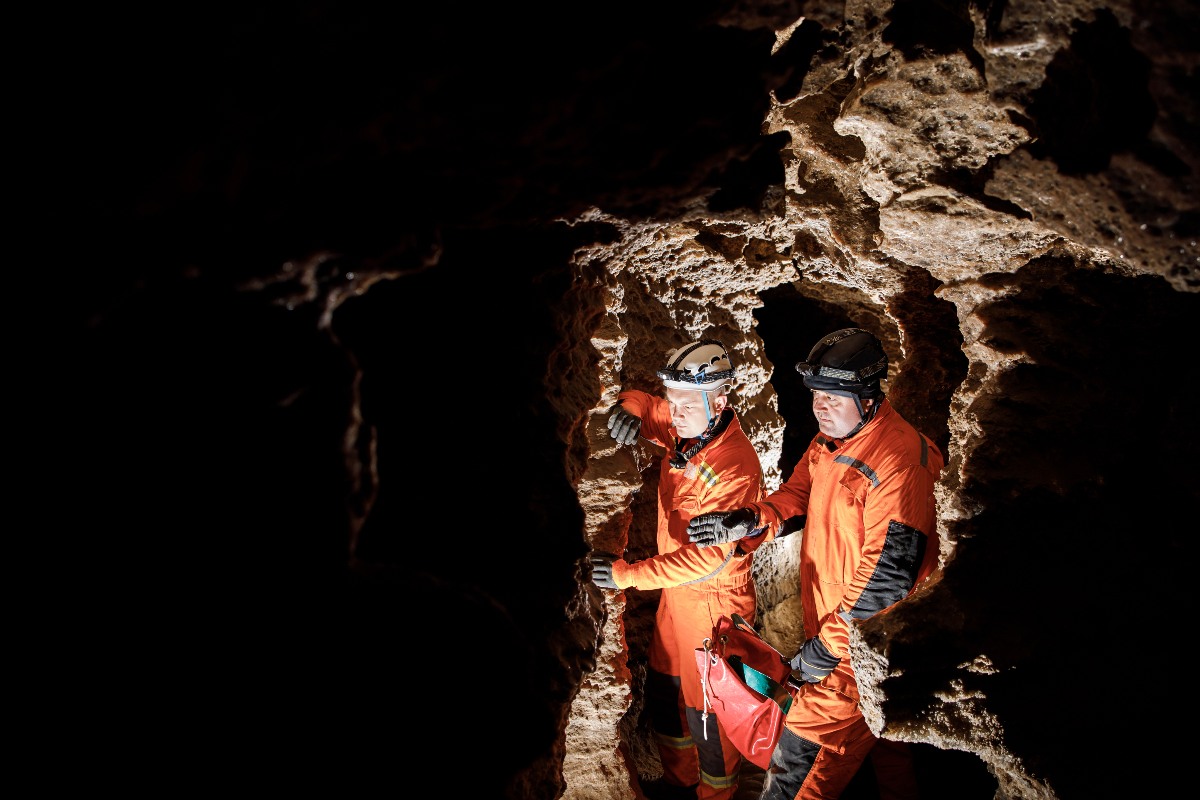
x: 622, y: 573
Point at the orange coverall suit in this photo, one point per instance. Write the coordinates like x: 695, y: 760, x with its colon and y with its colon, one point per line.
x: 869, y: 538
x: 698, y: 585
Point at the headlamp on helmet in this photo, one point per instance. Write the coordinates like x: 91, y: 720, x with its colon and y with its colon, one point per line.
x: 699, y: 366
x: 846, y: 362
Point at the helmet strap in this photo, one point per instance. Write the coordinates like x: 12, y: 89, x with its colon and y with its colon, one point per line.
x: 864, y: 416
x: 682, y: 455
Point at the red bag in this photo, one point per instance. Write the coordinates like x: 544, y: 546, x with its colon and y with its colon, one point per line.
x: 746, y: 685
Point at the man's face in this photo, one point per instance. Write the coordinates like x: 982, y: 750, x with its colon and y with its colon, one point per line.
x: 836, y: 415
x: 688, y: 413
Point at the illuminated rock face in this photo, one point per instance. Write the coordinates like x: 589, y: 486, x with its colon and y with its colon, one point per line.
x: 355, y: 291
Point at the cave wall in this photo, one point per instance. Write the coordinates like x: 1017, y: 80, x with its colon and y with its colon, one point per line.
x: 350, y: 291
x: 960, y: 188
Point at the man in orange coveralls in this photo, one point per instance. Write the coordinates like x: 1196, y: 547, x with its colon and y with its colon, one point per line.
x: 711, y: 465
x: 866, y: 485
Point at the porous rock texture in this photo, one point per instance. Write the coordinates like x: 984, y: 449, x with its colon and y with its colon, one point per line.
x: 355, y: 290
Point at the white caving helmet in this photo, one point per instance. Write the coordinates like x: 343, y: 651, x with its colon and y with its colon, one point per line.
x: 702, y: 366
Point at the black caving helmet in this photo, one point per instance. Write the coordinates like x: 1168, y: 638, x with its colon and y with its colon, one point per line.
x: 849, y: 362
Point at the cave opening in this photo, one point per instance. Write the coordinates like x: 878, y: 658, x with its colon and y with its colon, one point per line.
x: 789, y: 324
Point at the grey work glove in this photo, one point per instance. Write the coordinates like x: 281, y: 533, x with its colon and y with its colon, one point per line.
x: 623, y: 426
x: 721, y: 527
x: 602, y: 570
x: 814, y: 661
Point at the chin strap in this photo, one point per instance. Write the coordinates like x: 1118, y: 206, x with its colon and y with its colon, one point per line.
x: 715, y: 429
x: 864, y: 417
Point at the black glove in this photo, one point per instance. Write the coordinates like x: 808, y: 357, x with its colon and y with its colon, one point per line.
x: 602, y: 569
x: 721, y: 527
x: 814, y: 661
x: 623, y: 426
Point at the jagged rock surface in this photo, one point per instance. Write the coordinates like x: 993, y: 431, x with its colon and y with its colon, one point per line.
x: 353, y: 297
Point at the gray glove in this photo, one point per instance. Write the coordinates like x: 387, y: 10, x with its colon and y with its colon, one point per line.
x: 721, y: 527
x: 623, y: 426
x: 814, y: 661
x: 602, y: 569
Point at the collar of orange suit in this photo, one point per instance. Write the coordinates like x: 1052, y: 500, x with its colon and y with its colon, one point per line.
x: 683, y: 455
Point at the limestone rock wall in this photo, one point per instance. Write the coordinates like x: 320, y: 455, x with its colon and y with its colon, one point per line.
x: 956, y: 180
x: 350, y: 290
